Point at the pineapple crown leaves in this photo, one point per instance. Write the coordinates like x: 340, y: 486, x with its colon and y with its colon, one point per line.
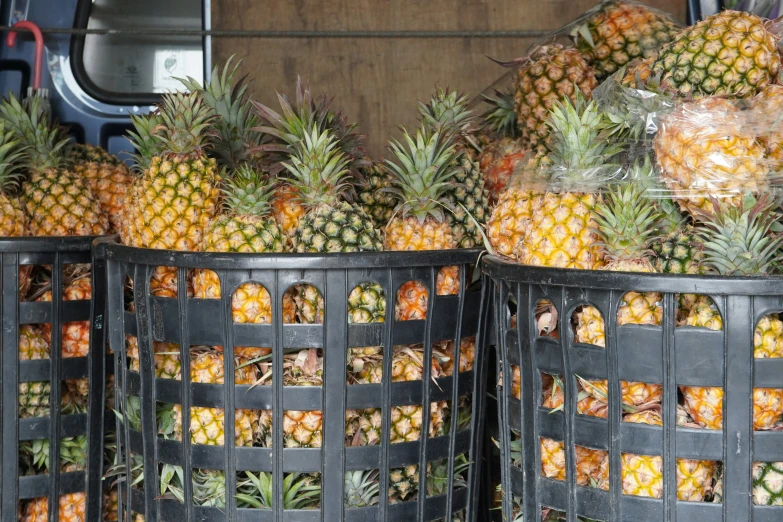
x: 633, y: 114
x: 423, y: 172
x: 579, y: 148
x: 447, y: 109
x: 738, y: 240
x: 282, y: 131
x: 257, y: 491
x: 230, y: 102
x: 143, y: 139
x: 186, y: 124
x: 501, y: 118
x: 247, y: 192
x: 318, y: 169
x: 626, y: 221
x: 43, y: 141
x: 361, y: 488
x: 11, y: 152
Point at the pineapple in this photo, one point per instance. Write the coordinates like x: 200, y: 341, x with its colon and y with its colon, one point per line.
x: 71, y: 508
x: 765, y: 116
x: 549, y: 74
x: 737, y: 242
x: 107, y: 176
x: 499, y: 158
x: 704, y: 151
x: 466, y: 197
x: 588, y: 461
x: 75, y: 337
x: 246, y: 225
x: 642, y: 475
x: 13, y: 221
x: 729, y: 53
x: 363, y: 427
x: 619, y: 32
x: 236, y: 140
x: 33, y: 396
x: 207, y: 424
x: 767, y: 483
x: 561, y: 230
x: 677, y: 249
x: 147, y: 147
x: 56, y: 199
x: 177, y: 195
x: 283, y: 132
x: 372, y: 193
x: 166, y: 358
x: 318, y: 173
x: 626, y: 219
x: 514, y: 210
x: 419, y: 222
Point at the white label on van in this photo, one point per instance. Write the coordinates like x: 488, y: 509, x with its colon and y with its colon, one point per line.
x: 176, y: 63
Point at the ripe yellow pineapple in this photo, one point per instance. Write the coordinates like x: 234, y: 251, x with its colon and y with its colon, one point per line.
x: 107, y: 176
x: 705, y: 151
x: 642, y: 475
x: 207, y: 425
x: 166, y: 358
x: 75, y: 337
x: 72, y: 508
x: 561, y: 231
x: 588, y: 460
x: 626, y: 220
x: 514, y: 209
x: 419, y: 222
x: 34, y: 397
x: 244, y: 226
x: 549, y: 74
x: 619, y: 32
x: 177, y: 194
x: 766, y: 121
x: 56, y: 199
x: 737, y: 242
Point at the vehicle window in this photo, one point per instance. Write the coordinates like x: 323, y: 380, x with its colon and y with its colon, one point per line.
x: 138, y: 64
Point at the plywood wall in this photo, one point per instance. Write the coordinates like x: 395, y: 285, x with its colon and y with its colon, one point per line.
x: 378, y: 81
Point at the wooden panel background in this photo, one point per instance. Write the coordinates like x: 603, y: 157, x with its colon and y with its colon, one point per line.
x: 377, y: 82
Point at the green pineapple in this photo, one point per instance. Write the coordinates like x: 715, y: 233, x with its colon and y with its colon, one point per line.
x: 373, y: 196
x: 318, y: 172
x: 466, y: 196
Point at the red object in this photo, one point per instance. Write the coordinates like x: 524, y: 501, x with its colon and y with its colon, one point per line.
x: 39, y: 47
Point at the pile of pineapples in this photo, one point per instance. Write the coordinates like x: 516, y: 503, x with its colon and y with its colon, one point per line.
x: 219, y: 172
x: 648, y: 148
x: 51, y: 187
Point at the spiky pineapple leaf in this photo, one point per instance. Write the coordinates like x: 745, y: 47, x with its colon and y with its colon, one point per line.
x: 422, y: 172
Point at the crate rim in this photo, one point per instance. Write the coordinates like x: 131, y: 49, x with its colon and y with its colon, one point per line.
x: 109, y: 248
x: 512, y: 272
x: 50, y: 244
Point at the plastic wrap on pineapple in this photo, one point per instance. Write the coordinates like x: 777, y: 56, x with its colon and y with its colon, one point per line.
x: 635, y: 113
x: 708, y: 148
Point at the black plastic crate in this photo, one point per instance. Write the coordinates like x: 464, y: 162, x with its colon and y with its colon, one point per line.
x: 25, y: 254
x: 189, y: 322
x: 670, y: 355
